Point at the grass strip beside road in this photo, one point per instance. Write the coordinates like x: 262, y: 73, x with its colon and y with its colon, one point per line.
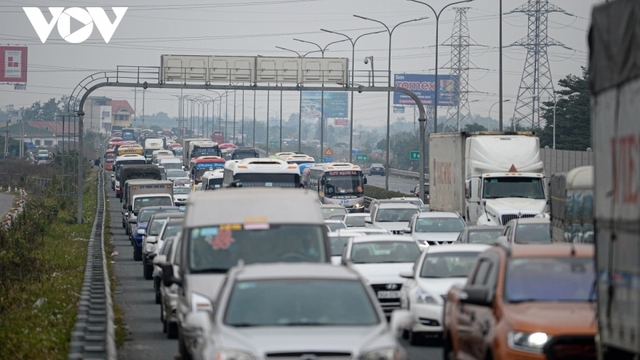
x: 43, y: 260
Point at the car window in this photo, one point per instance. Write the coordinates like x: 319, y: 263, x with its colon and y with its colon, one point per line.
x: 384, y: 252
x: 333, y: 226
x: 156, y: 226
x: 549, y: 279
x: 446, y: 265
x: 171, y: 230
x: 355, y: 221
x: 439, y: 225
x: 337, y: 244
x: 395, y: 215
x: 483, y: 236
x: 299, y: 303
x: 482, y: 272
x: 533, y: 233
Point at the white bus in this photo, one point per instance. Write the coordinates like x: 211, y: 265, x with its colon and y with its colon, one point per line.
x: 339, y: 183
x: 264, y: 172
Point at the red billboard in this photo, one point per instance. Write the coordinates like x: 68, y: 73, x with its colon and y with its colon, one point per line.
x: 13, y: 64
x: 341, y: 122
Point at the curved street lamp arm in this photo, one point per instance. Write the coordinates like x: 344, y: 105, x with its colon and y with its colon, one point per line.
x: 374, y: 20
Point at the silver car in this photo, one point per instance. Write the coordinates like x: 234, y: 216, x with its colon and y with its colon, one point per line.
x: 302, y: 311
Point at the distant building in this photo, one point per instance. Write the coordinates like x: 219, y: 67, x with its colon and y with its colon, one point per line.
x: 44, y: 133
x: 101, y: 113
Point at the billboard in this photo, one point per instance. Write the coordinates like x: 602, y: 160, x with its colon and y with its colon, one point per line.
x: 424, y: 86
x: 13, y: 64
x: 336, y: 104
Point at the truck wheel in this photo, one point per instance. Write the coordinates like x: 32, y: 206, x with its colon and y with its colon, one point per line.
x: 172, y: 330
x: 137, y: 254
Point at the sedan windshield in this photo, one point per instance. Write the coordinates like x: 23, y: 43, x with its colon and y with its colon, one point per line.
x: 447, y: 265
x: 218, y: 248
x: 300, y: 303
x: 439, y: 225
x: 171, y: 230
x: 384, y: 252
x: 549, y: 279
x: 395, y: 215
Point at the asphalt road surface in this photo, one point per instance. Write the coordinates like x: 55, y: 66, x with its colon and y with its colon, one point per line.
x: 135, y: 296
x: 395, y: 183
x: 6, y: 200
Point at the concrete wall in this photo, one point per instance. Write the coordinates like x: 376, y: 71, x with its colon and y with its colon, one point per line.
x: 556, y: 161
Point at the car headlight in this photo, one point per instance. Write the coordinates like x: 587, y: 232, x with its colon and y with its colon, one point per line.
x: 232, y: 355
x: 201, y: 302
x: 150, y: 248
x: 531, y: 342
x: 424, y: 297
x: 384, y: 354
x: 358, y: 205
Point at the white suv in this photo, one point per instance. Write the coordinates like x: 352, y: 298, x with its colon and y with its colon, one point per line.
x: 435, y: 227
x: 392, y: 215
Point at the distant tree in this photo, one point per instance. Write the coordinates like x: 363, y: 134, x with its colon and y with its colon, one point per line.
x: 474, y: 127
x: 573, y: 117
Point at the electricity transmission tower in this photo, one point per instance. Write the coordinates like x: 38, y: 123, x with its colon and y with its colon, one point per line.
x: 536, y: 84
x: 459, y: 67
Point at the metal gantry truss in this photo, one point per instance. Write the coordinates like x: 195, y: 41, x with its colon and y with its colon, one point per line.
x: 537, y: 83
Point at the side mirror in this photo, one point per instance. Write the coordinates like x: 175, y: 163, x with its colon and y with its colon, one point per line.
x: 400, y: 319
x: 367, y: 219
x: 167, y: 275
x: 406, y: 230
x: 364, y: 180
x: 200, y: 320
x: 406, y: 274
x: 477, y: 295
x: 142, y: 232
x: 160, y: 260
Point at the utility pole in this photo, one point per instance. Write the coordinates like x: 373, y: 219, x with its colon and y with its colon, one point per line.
x: 6, y: 138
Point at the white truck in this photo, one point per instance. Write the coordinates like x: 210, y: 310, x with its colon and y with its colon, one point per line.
x: 487, y: 177
x: 144, y: 192
x: 615, y: 132
x: 151, y: 145
x: 185, y: 153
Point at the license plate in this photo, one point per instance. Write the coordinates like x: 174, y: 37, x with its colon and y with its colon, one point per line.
x: 388, y: 294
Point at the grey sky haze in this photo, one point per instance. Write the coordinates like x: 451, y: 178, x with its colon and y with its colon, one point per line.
x: 255, y: 27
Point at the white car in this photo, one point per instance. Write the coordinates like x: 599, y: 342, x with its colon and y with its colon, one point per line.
x: 435, y: 228
x: 393, y: 215
x: 380, y: 259
x: 180, y: 195
x: 436, y: 270
x: 296, y: 311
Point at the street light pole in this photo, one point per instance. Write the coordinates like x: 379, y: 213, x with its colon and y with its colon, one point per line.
x: 390, y: 31
x: 437, y: 15
x: 489, y: 119
x: 353, y: 54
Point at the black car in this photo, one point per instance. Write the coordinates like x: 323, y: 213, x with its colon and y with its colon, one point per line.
x: 376, y: 169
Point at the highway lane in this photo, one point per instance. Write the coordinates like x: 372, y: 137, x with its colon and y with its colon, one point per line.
x: 395, y: 183
x: 135, y: 296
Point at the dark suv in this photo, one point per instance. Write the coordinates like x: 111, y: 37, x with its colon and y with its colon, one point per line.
x: 376, y: 169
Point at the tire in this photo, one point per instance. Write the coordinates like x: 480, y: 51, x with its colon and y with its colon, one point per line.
x: 137, y: 254
x: 415, y: 339
x: 147, y: 271
x: 172, y: 330
x: 405, y: 334
x: 182, y: 349
x: 158, y: 294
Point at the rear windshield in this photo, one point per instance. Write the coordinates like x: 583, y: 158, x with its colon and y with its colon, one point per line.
x: 146, y: 214
x: 484, y: 236
x: 384, y: 252
x: 218, y: 248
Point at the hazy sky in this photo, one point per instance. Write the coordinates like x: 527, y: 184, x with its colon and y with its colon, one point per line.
x: 255, y: 27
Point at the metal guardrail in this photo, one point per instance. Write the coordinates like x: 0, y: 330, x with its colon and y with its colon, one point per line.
x: 407, y: 174
x: 94, y: 334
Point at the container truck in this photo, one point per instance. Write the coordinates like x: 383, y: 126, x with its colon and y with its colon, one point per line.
x: 487, y: 177
x: 614, y: 75
x: 571, y: 200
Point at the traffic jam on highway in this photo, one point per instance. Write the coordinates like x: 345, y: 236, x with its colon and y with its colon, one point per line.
x: 255, y: 257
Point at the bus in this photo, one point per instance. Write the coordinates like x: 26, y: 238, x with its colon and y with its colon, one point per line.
x: 202, y: 164
x: 263, y: 172
x: 338, y: 183
x: 218, y: 136
x: 298, y: 159
x: 128, y: 134
x: 129, y: 149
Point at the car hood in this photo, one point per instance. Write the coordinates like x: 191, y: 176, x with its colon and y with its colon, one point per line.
x: 392, y: 225
x: 553, y: 318
x: 436, y: 236
x: 300, y: 339
x: 440, y: 287
x: 383, y: 273
x: 204, y: 284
